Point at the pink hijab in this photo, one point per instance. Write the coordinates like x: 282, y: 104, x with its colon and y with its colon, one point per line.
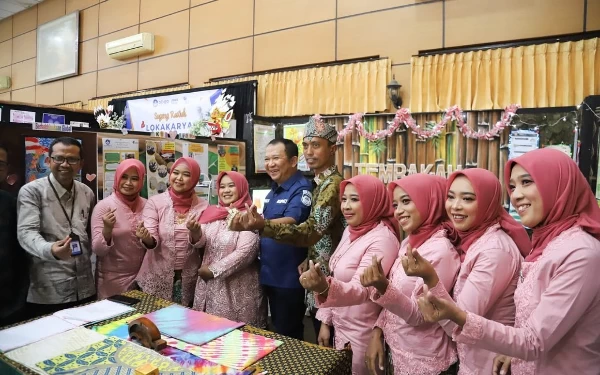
x: 183, y: 201
x: 489, y: 211
x: 376, y: 205
x: 429, y: 194
x: 214, y: 213
x: 566, y: 195
x: 130, y: 201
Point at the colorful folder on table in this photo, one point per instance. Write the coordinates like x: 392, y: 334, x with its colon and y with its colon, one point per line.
x: 236, y: 349
x: 194, y: 327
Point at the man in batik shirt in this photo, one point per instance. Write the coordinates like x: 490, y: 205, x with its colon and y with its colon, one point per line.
x: 323, y: 229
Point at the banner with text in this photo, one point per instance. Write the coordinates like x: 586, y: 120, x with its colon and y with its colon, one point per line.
x: 207, y: 112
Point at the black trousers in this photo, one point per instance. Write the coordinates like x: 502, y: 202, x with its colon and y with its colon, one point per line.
x: 34, y: 310
x: 287, y: 310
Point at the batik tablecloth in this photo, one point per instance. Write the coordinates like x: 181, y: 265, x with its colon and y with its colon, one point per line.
x: 291, y: 358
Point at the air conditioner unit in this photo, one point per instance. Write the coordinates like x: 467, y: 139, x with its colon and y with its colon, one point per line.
x: 4, y: 82
x: 131, y: 46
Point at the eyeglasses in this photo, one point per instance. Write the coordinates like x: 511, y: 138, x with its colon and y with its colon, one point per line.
x: 3, y: 164
x: 61, y: 159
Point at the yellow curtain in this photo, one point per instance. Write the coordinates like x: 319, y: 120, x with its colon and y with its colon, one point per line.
x: 93, y: 103
x: 75, y: 105
x: 545, y: 75
x: 338, y: 89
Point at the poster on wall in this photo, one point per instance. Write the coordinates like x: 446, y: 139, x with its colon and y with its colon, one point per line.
x: 258, y: 198
x: 263, y: 134
x: 114, y: 151
x: 202, y: 113
x: 37, y: 159
x: 295, y: 133
x: 199, y: 152
x: 229, y: 158
x: 160, y: 157
x: 24, y: 117
x: 520, y: 142
x: 49, y: 118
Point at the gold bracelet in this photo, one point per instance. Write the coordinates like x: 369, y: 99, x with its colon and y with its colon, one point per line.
x: 326, y: 289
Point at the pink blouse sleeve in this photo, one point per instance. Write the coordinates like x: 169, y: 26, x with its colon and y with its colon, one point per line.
x: 573, y: 288
x: 353, y: 293
x: 325, y: 315
x: 99, y: 245
x: 151, y: 222
x: 492, y: 273
x: 246, y: 252
x: 380, y: 320
x: 446, y: 262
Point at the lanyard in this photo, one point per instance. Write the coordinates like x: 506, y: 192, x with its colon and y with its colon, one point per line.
x: 69, y: 219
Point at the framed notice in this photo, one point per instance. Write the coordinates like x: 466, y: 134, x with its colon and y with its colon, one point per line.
x: 58, y: 48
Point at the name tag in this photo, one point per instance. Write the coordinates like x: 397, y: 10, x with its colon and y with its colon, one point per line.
x: 284, y: 201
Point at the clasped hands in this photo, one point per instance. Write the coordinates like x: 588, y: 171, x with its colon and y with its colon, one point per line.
x: 248, y: 220
x: 192, y: 224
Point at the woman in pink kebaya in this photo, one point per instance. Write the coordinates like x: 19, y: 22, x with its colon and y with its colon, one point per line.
x: 114, y: 220
x: 343, y: 302
x: 557, y: 328
x: 416, y: 346
x: 173, y: 236
x: 491, y: 247
x: 228, y: 283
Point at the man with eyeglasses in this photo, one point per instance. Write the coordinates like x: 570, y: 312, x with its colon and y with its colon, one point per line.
x: 53, y: 226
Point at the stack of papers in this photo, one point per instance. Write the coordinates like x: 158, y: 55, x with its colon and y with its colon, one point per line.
x: 94, y: 312
x: 59, y: 322
x: 35, y: 331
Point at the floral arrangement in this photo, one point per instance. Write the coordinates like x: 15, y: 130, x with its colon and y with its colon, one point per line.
x: 432, y: 129
x: 108, y: 119
x: 217, y: 121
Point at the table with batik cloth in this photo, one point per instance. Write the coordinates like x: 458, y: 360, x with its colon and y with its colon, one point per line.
x: 292, y: 357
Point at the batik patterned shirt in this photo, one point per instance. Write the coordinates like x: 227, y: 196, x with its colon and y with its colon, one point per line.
x: 323, y: 229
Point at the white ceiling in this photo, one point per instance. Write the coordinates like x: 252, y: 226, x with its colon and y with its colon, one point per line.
x: 10, y: 7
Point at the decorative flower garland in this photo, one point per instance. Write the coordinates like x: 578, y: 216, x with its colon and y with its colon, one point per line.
x: 404, y: 117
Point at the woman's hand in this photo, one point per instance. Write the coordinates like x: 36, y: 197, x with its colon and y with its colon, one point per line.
x: 324, y: 335
x: 313, y: 279
x: 193, y: 225
x: 415, y: 265
x: 205, y: 273
x: 142, y: 233
x: 375, y: 355
x: 109, y: 219
x: 303, y: 267
x: 375, y: 276
x: 435, y: 309
x: 501, y: 365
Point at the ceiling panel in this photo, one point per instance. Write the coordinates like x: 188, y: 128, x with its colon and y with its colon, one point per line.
x: 10, y: 7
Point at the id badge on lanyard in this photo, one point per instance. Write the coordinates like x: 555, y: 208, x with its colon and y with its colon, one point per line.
x: 75, y: 243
